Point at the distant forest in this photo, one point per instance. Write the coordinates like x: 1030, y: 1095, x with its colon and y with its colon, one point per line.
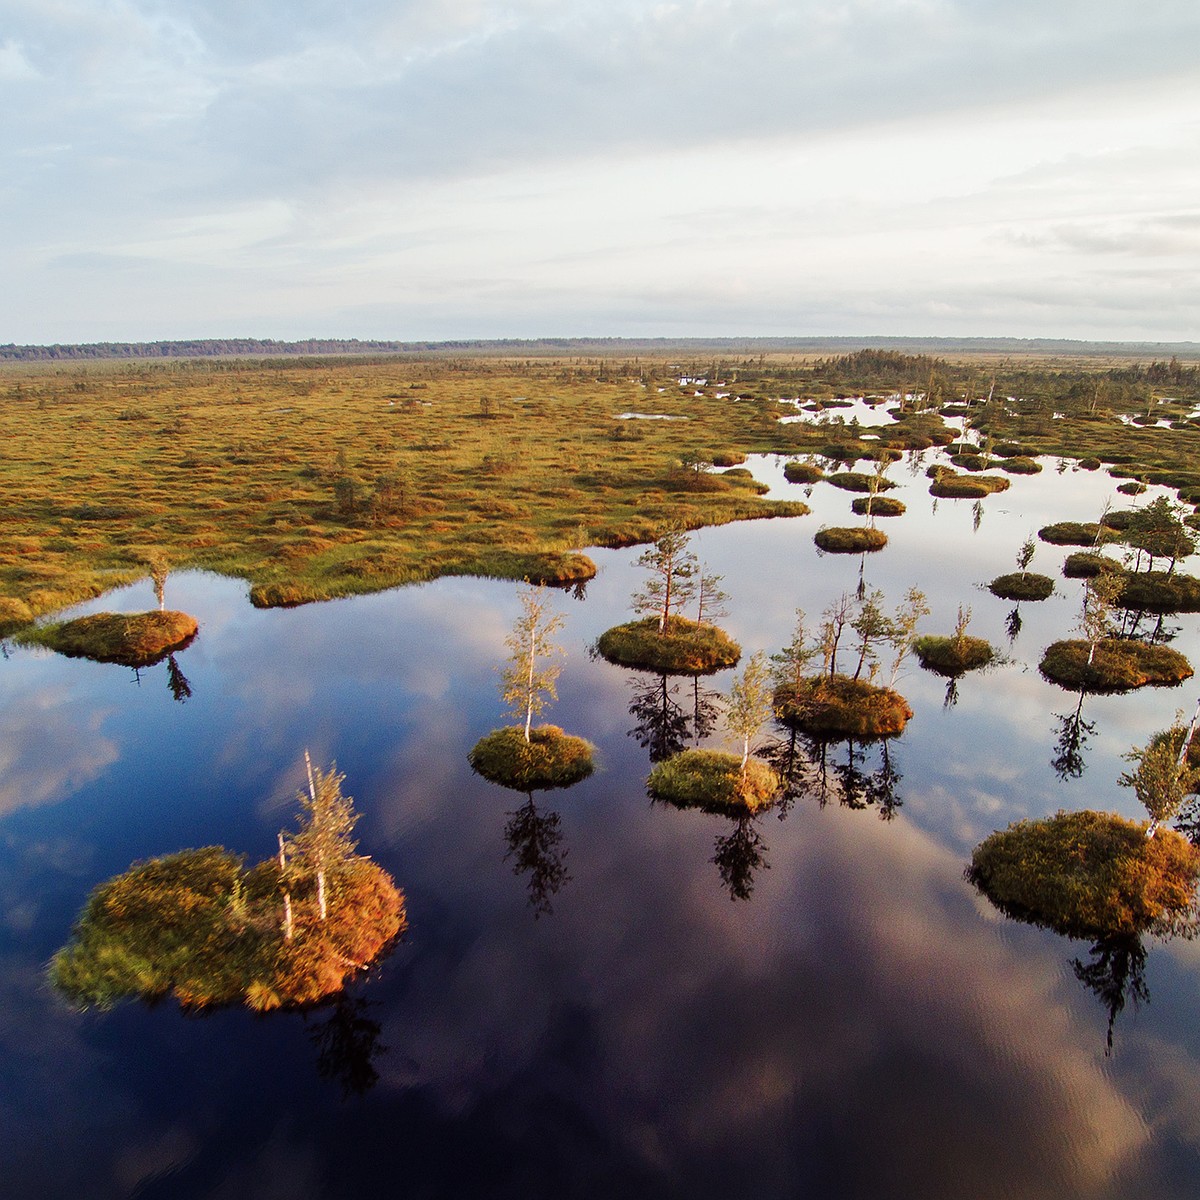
x: 536, y: 347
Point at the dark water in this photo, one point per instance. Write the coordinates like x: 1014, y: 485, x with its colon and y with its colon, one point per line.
x: 610, y: 1022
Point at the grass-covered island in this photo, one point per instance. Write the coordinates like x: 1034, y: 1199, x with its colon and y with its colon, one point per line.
x: 131, y: 639
x: 1022, y: 585
x: 953, y: 655
x: 877, y: 506
x: 714, y: 780
x: 835, y: 707
x: 851, y: 539
x: 680, y: 647
x: 951, y: 485
x: 200, y: 926
x: 1116, y: 665
x: 549, y: 759
x: 1088, y: 874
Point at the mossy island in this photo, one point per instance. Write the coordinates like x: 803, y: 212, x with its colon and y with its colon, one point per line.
x: 1159, y: 592
x: 849, y: 539
x: 1076, y: 533
x: 198, y: 925
x: 802, y: 472
x: 859, y: 481
x: 1087, y: 564
x: 877, y: 506
x: 679, y: 647
x: 951, y: 656
x: 715, y: 781
x: 834, y: 707
x: 1117, y: 665
x: 130, y: 639
x: 951, y: 485
x: 1022, y: 585
x: 1088, y: 875
x: 549, y: 759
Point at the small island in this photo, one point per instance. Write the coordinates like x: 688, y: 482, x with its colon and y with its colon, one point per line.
x: 849, y: 539
x: 201, y: 927
x: 956, y: 654
x: 715, y: 781
x: 1022, y: 585
x: 1113, y: 665
x: 130, y: 639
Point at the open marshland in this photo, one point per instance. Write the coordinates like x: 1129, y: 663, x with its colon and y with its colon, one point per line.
x: 597, y: 993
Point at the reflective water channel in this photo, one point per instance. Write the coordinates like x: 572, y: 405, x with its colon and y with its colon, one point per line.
x: 599, y: 996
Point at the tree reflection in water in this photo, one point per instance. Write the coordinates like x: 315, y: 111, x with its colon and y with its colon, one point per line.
x: 738, y: 855
x: 1012, y: 624
x: 1072, y: 740
x: 347, y: 1044
x: 1116, y: 970
x: 664, y: 726
x: 534, y: 842
x: 181, y: 689
x: 808, y: 769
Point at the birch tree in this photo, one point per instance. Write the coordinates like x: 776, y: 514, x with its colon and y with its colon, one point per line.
x: 323, y: 845
x: 529, y: 680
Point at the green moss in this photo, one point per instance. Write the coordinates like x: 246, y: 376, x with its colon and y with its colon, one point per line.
x: 1021, y: 465
x: 950, y: 485
x: 1088, y: 874
x: 1118, y: 666
x: 682, y: 648
x: 854, y: 539
x: 198, y: 926
x: 1160, y: 592
x: 1087, y: 564
x: 952, y: 655
x: 714, y: 781
x: 1073, y: 533
x: 858, y: 481
x: 839, y: 707
x: 877, y: 506
x: 1022, y: 586
x: 802, y: 472
x: 131, y: 639
x: 550, y: 759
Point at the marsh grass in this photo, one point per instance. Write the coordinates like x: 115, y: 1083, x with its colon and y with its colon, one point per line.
x: 1088, y: 875
x: 550, y: 759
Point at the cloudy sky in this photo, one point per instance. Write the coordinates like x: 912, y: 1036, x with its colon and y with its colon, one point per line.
x: 477, y: 168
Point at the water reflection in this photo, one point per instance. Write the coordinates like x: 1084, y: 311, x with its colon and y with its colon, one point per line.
x: 534, y: 845
x: 1115, y: 972
x: 1072, y: 740
x: 738, y: 855
x: 671, y: 712
x: 836, y: 771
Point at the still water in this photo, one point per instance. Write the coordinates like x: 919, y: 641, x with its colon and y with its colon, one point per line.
x: 609, y: 1016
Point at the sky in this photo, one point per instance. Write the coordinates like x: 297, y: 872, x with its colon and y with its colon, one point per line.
x: 437, y: 169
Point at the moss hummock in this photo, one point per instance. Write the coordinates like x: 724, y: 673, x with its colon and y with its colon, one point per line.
x: 858, y: 481
x: 715, y: 781
x: 1160, y: 592
x: 1022, y: 586
x: 198, y: 926
x: 1117, y: 666
x: 953, y: 655
x: 683, y: 647
x: 877, y: 506
x: 802, y: 472
x: 1088, y: 874
x: 130, y: 639
x: 550, y: 759
x: 853, y: 539
x: 837, y: 706
x: 950, y: 485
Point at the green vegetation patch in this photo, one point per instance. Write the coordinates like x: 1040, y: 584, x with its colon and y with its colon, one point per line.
x: 550, y: 759
x: 802, y: 472
x: 714, y: 781
x: 1074, y: 533
x: 1160, y: 592
x: 858, y: 481
x: 952, y: 655
x: 1087, y: 564
x: 950, y: 485
x: 849, y: 539
x: 1117, y: 666
x: 877, y: 506
x: 199, y: 926
x: 681, y: 647
x: 1088, y: 875
x: 131, y: 639
x: 1020, y: 465
x: 13, y: 615
x: 837, y: 706
x: 728, y: 458
x: 1022, y: 585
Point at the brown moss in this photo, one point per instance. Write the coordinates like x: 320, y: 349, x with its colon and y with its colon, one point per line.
x: 854, y: 539
x: 131, y: 639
